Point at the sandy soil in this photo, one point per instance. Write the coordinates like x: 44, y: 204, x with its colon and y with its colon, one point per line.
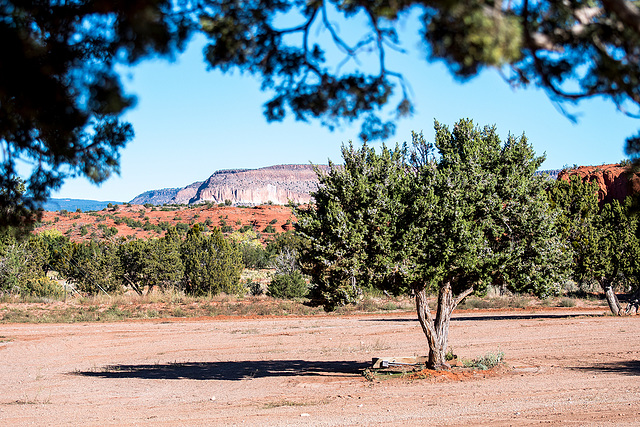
x: 565, y: 368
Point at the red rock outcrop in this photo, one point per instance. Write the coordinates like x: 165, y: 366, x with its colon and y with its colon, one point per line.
x: 615, y: 182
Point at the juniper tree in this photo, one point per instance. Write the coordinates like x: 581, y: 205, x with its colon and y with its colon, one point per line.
x: 450, y: 218
x: 353, y: 224
x: 211, y: 264
x: 479, y: 217
x: 603, y: 241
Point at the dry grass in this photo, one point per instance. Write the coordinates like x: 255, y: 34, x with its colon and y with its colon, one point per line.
x: 174, y: 304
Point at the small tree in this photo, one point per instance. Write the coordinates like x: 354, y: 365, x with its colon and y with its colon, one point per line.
x: 576, y: 203
x: 479, y: 216
x: 288, y: 282
x: 616, y: 263
x: 604, y: 241
x: 353, y: 226
x: 94, y: 268
x: 451, y: 218
x: 211, y: 264
x: 150, y: 263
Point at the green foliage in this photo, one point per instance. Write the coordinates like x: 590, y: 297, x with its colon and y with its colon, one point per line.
x: 470, y: 216
x: 615, y: 258
x: 604, y: 242
x: 151, y: 263
x: 21, y: 263
x: 107, y: 232
x: 211, y: 264
x: 42, y: 286
x: 253, y: 253
x: 480, y: 216
x: 352, y: 228
x: 254, y: 288
x: 269, y: 229
x: 182, y: 228
x: 451, y: 218
x: 288, y: 286
x: 58, y: 249
x: 288, y: 281
x: 93, y: 268
x: 62, y: 96
x: 254, y: 256
x: 289, y: 240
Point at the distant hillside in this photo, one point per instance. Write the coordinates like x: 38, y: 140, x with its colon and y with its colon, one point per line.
x: 155, y: 197
x: 551, y: 174
x: 277, y: 184
x: 74, y: 204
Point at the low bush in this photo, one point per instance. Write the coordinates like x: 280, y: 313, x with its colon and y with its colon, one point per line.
x: 288, y: 286
x: 254, y: 288
x: 488, y: 361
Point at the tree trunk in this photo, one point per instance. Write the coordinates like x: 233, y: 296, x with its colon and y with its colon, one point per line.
x: 437, y: 330
x: 612, y: 299
x: 634, y: 302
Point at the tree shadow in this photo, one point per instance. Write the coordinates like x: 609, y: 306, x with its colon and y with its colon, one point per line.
x: 625, y: 367
x: 231, y: 371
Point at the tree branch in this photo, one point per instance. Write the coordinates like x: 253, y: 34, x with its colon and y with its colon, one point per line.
x: 628, y: 13
x: 462, y: 296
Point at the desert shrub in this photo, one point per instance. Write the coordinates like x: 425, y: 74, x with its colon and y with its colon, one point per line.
x: 42, y: 287
x: 92, y: 268
x: 485, y: 362
x: 211, y: 264
x: 254, y: 256
x: 269, y: 229
x: 449, y: 355
x: 567, y: 302
x: 181, y: 227
x: 288, y: 286
x: 254, y: 288
x: 389, y: 306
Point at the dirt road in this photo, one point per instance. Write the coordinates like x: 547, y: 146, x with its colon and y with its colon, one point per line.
x: 565, y: 369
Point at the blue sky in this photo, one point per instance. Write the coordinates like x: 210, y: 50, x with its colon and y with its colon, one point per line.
x: 190, y: 122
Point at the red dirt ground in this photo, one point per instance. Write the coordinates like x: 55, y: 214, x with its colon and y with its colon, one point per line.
x: 257, y: 217
x: 564, y: 367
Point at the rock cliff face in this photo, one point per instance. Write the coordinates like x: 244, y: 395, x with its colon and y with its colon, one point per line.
x: 156, y: 197
x: 614, y: 181
x: 276, y: 184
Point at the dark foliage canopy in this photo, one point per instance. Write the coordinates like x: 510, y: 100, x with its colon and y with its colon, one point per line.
x: 466, y: 211
x: 60, y: 94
